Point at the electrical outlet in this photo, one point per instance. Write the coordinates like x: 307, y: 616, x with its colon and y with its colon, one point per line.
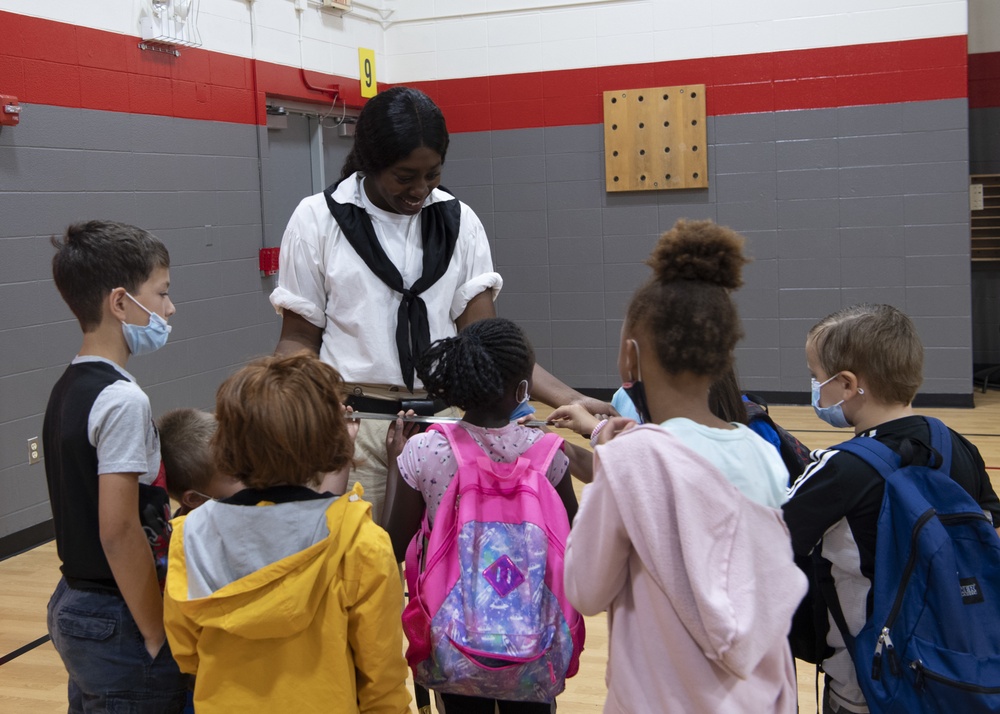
x: 976, y: 197
x: 34, y: 452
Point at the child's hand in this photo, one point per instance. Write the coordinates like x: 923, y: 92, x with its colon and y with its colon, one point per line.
x: 575, y: 417
x: 397, y: 434
x: 614, y: 427
x: 596, y: 406
x: 353, y: 424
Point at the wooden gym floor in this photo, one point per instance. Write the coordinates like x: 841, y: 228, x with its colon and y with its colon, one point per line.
x: 33, y: 681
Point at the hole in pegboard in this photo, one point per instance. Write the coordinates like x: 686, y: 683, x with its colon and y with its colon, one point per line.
x: 641, y: 125
x: 642, y: 152
x: 614, y: 153
x: 666, y: 149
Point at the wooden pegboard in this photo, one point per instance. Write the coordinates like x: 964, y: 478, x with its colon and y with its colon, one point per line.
x: 655, y: 138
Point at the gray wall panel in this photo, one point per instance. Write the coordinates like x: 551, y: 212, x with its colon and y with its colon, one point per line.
x: 984, y: 158
x: 984, y: 141
x: 193, y: 183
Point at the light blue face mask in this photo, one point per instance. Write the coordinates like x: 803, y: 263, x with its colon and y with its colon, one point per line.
x: 832, y: 415
x: 522, y: 409
x: 143, y: 339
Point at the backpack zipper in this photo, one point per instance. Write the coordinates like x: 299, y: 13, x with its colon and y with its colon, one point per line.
x: 923, y: 673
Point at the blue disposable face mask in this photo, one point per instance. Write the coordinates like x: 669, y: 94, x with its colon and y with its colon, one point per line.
x: 522, y: 409
x: 143, y: 339
x: 832, y: 415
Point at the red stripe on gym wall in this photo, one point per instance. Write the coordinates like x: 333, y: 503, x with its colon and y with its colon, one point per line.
x: 47, y: 62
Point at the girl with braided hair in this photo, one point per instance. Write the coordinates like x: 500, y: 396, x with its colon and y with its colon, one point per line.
x: 486, y: 371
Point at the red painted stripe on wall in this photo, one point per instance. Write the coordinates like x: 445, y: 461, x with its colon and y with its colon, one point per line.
x: 984, y: 80
x: 46, y: 62
x: 881, y: 73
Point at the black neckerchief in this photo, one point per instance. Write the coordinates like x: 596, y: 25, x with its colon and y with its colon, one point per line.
x: 439, y: 224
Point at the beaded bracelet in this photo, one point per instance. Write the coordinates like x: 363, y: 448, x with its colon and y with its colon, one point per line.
x: 596, y: 432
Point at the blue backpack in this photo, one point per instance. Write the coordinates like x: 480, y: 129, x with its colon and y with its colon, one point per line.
x: 932, y: 643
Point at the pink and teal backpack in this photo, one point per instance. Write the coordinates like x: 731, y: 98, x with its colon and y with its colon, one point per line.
x: 487, y: 615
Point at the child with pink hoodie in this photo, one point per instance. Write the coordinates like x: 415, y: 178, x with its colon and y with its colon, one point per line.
x: 680, y: 536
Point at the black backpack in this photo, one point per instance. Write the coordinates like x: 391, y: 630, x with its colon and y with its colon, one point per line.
x: 809, y: 624
x: 794, y: 453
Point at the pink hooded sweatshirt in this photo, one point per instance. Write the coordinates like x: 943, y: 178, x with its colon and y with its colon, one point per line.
x: 698, y: 581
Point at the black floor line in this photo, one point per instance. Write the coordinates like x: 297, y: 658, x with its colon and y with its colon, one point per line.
x: 23, y: 650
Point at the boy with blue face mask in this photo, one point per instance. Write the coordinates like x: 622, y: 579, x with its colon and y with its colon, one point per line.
x: 866, y: 364
x: 102, y: 465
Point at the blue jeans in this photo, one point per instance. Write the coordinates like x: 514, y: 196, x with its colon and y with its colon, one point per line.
x: 106, y: 658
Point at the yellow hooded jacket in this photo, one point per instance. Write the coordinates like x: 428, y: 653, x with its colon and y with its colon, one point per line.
x: 290, y: 603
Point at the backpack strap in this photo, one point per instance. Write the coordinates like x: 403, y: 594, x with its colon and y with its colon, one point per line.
x: 885, y: 460
x: 464, y: 448
x: 543, y: 451
x: 467, y: 450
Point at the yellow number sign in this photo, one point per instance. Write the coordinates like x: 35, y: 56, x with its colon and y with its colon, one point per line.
x: 366, y: 61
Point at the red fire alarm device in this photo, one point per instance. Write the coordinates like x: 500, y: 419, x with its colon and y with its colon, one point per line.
x: 10, y: 110
x: 268, y: 261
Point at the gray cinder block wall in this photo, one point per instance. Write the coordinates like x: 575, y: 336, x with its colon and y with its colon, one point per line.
x: 839, y: 206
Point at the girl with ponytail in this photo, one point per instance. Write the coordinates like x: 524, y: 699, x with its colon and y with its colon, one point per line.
x: 680, y: 537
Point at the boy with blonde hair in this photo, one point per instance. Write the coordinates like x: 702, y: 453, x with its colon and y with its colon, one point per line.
x: 866, y: 364
x: 185, y: 442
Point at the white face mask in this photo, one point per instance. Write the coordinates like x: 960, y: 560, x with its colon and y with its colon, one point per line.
x: 143, y: 339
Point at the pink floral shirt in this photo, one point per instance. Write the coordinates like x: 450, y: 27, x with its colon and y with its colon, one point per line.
x: 428, y: 466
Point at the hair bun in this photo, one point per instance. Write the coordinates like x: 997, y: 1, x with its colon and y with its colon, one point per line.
x: 700, y: 251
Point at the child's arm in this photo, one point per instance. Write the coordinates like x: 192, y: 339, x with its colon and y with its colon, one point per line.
x: 404, y: 505
x: 575, y: 417
x: 127, y: 550
x: 565, y: 490
x: 374, y: 632
x: 581, y: 462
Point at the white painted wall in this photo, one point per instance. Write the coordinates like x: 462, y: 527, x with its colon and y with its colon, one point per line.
x: 464, y: 38
x: 443, y: 39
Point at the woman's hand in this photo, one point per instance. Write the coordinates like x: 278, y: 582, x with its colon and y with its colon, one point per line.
x: 595, y: 406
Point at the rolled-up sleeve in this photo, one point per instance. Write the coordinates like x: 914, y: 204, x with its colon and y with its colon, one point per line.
x: 301, y: 277
x: 479, y: 273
